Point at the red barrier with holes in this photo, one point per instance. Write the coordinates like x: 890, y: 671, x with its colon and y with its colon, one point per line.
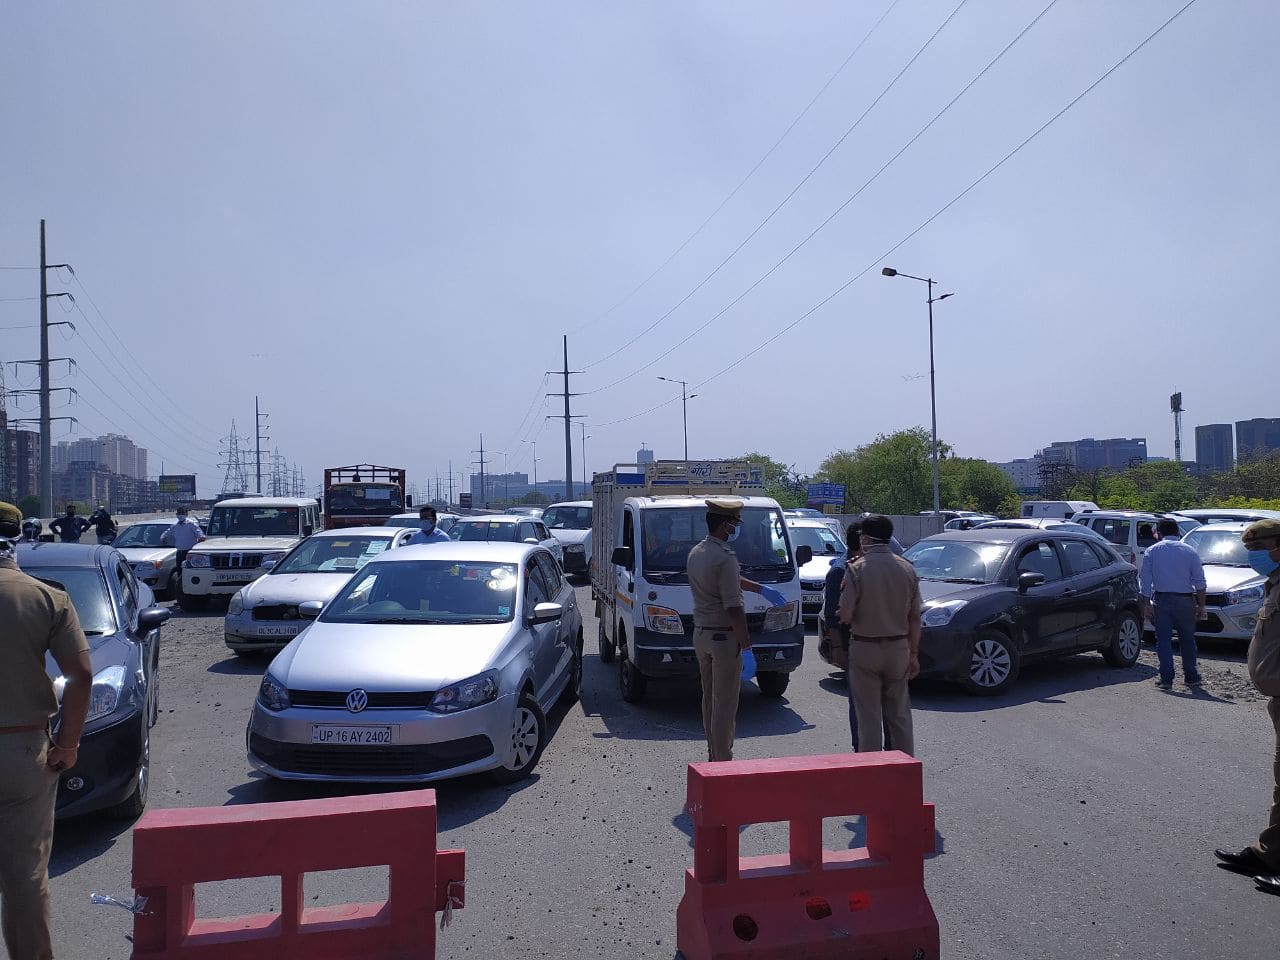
x: 173, y: 850
x: 809, y: 902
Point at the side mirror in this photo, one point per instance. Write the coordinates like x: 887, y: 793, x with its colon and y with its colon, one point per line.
x: 268, y: 564
x: 149, y: 618
x: 308, y: 530
x: 804, y: 554
x: 532, y: 540
x: 1028, y: 580
x: 546, y: 613
x: 310, y: 609
x: 624, y: 557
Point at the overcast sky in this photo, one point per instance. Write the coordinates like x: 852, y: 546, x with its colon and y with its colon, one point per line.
x: 382, y: 217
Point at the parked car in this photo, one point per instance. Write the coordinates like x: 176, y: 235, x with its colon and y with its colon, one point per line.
x: 570, y: 523
x: 507, y: 528
x: 826, y: 547
x: 434, y: 661
x: 1037, y: 523
x: 1061, y: 509
x: 525, y: 511
x: 1228, y: 514
x: 1234, y: 590
x: 443, y: 521
x: 995, y: 598
x: 808, y: 513
x: 967, y: 521
x: 1131, y: 532
x: 264, y: 615
x: 153, y: 563
x: 122, y: 624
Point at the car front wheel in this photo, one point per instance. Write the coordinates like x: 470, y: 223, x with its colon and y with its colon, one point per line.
x: 1125, y: 643
x: 132, y: 806
x: 528, y: 737
x: 993, y: 664
x: 573, y: 689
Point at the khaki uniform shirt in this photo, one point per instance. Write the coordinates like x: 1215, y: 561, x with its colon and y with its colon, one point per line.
x: 35, y: 619
x: 1264, y: 648
x: 716, y: 582
x: 880, y: 596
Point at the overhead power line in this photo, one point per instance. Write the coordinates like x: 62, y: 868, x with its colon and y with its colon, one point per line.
x: 774, y: 212
x: 929, y: 220
x: 741, y: 183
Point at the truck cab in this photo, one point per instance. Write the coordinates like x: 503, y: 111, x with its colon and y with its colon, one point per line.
x: 642, y: 536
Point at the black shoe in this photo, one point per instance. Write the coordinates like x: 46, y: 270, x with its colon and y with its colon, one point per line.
x: 1246, y: 861
x: 1164, y: 684
x: 1194, y: 681
x: 1268, y: 884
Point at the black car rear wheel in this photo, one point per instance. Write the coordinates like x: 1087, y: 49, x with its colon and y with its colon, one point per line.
x: 773, y: 684
x: 1126, y: 642
x: 132, y: 806
x: 993, y: 664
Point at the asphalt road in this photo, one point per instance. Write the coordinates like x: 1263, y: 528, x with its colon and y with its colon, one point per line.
x: 1076, y: 815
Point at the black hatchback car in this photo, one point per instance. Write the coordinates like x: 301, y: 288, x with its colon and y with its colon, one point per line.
x: 994, y: 598
x: 122, y: 624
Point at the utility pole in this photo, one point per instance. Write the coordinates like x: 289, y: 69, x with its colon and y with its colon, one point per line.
x: 568, y: 421
x: 585, y: 485
x: 484, y: 493
x: 450, y: 483
x: 46, y: 412
x: 258, y: 438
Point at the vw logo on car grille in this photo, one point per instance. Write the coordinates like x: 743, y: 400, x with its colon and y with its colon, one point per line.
x: 357, y: 700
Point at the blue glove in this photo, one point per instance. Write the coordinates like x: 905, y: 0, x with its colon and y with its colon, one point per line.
x: 748, y: 664
x: 773, y: 596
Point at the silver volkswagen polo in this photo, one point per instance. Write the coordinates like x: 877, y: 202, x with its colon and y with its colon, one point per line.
x: 263, y: 616
x: 434, y: 661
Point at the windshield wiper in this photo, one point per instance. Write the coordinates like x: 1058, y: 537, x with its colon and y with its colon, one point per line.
x: 765, y: 566
x: 961, y: 580
x: 95, y: 633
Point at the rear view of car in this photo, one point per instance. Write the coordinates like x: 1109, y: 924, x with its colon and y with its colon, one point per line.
x: 570, y: 524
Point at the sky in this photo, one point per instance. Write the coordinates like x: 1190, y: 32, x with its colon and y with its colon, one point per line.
x: 382, y: 218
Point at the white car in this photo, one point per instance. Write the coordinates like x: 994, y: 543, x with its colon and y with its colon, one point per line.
x: 443, y: 520
x: 507, y: 528
x: 1234, y: 590
x: 826, y: 546
x: 1131, y: 532
x: 153, y: 563
x: 264, y: 615
x: 570, y: 523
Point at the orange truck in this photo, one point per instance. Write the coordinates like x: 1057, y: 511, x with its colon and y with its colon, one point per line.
x: 362, y: 495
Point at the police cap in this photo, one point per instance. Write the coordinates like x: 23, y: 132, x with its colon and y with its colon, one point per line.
x: 1261, y: 530
x: 728, y: 507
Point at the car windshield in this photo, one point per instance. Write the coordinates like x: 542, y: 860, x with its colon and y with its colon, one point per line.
x: 818, y: 539
x: 332, y: 554
x: 1218, y: 546
x: 88, y: 592
x: 427, y: 591
x: 503, y: 531
x: 568, y: 518
x: 956, y: 561
x: 253, y: 522
x: 364, y: 500
x: 670, y: 533
x: 141, y: 535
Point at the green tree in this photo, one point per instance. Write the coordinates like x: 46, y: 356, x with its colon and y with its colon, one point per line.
x: 972, y: 484
x: 29, y: 505
x: 534, y: 499
x: 892, y: 474
x: 781, y: 482
x: 1256, y: 479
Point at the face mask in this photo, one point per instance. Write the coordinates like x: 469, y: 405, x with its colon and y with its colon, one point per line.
x: 734, y: 535
x: 428, y: 526
x: 1261, y: 561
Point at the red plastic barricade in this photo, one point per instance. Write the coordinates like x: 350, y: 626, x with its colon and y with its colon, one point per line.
x: 809, y: 902
x: 173, y: 850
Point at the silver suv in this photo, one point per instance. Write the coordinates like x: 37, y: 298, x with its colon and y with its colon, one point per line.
x: 1131, y: 532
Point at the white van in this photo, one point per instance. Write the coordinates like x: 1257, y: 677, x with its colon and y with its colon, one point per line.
x: 245, y: 538
x: 1061, y: 509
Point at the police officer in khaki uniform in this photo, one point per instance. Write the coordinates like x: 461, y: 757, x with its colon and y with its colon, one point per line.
x: 880, y: 601
x: 720, y: 622
x: 35, y: 619
x: 1262, y: 539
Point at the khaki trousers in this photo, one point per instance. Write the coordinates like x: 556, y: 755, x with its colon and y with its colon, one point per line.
x: 1268, y: 845
x: 28, y: 789
x: 878, y: 684
x: 720, y: 666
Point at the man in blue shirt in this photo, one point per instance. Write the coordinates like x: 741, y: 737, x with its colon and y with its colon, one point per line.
x: 1172, y: 586
x: 429, y: 533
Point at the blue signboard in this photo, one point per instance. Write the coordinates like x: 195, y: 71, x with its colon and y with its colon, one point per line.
x: 824, y: 493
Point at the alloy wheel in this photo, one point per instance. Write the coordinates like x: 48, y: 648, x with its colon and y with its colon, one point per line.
x: 991, y: 663
x: 524, y: 738
x: 1130, y: 638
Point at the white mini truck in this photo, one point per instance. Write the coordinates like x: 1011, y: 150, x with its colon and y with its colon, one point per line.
x: 646, y: 518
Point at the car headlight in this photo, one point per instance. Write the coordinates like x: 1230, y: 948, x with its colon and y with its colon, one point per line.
x: 664, y: 620
x: 272, y: 694
x: 780, y: 618
x: 574, y: 548
x: 236, y: 604
x: 940, y: 614
x: 197, y: 560
x: 105, y: 696
x: 1245, y: 594
x: 465, y: 694
x: 147, y: 566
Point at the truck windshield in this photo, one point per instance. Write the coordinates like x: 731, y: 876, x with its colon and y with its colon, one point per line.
x: 669, y: 535
x: 253, y: 522
x: 365, y: 500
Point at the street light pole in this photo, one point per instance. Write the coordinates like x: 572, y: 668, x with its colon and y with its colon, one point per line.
x: 685, y: 397
x: 585, y: 438
x: 933, y: 395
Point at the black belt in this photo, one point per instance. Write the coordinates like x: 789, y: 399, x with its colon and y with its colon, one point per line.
x: 715, y: 629
x: 1170, y: 593
x: 878, y: 639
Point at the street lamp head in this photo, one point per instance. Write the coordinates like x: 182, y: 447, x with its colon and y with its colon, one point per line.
x: 889, y: 272
x: 944, y: 296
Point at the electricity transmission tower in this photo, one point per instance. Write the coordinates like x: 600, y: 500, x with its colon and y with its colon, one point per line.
x: 234, y: 481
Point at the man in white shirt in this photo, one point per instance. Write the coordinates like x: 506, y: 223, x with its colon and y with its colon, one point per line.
x: 183, y: 534
x: 429, y: 533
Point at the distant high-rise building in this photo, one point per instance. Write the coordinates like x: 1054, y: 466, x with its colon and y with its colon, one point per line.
x: 1255, y: 438
x: 1116, y: 453
x: 114, y: 452
x: 23, y: 448
x: 644, y: 455
x: 1024, y: 472
x: 1214, y: 448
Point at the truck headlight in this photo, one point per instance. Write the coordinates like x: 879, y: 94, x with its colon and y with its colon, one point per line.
x: 574, y: 548
x: 663, y: 620
x: 197, y: 560
x: 1244, y: 594
x: 273, y: 694
x: 780, y: 618
x: 940, y: 614
x: 465, y: 694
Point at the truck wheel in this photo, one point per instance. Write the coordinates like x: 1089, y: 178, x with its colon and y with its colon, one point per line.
x: 773, y: 684
x: 631, y: 682
x: 190, y: 604
x: 606, y: 646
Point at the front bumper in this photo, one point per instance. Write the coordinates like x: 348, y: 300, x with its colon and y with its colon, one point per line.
x: 1230, y: 623
x: 811, y: 599
x: 106, y: 769
x: 242, y: 632
x: 945, y: 652
x: 428, y: 746
x: 662, y: 655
